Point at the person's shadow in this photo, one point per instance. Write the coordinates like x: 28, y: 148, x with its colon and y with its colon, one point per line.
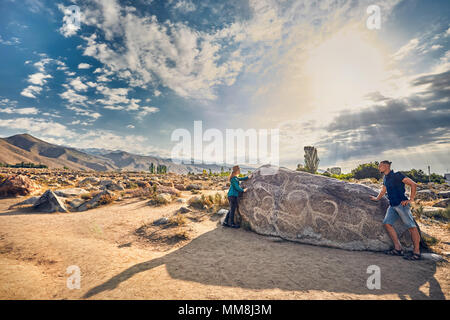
x: 239, y: 258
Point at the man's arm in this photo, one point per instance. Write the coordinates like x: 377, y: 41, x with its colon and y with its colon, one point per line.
x: 380, y: 195
x: 413, y: 186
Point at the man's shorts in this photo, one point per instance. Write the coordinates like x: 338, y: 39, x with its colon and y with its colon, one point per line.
x: 404, y: 212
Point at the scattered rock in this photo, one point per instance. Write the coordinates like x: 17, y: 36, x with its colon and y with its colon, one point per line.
x: 49, y: 202
x: 114, y: 187
x: 75, y: 203
x: 221, y: 212
x: 97, y: 200
x: 17, y: 185
x: 89, y: 180
x: 184, y: 210
x: 314, y: 209
x: 180, y: 187
x: 169, y: 190
x: 444, y: 194
x: 161, y: 221
x: 164, y: 197
x: 444, y: 203
x: 432, y: 256
x: 72, y: 192
x: 105, y: 182
x: 426, y: 195
x: 194, y: 186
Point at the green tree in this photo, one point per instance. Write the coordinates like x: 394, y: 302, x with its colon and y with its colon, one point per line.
x: 367, y: 170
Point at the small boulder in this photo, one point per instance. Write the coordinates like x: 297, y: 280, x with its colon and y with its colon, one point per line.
x: 426, y: 195
x: 444, y: 194
x: 75, y: 203
x: 164, y: 197
x: 72, y: 192
x: 184, y: 210
x: 432, y: 256
x: 115, y: 187
x: 221, y: 212
x: 194, y: 186
x: 16, y: 185
x: 444, y: 203
x: 102, y: 197
x: 89, y: 180
x: 161, y: 221
x: 49, y: 202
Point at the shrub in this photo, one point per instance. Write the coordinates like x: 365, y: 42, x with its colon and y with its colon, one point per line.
x: 367, y: 170
x: 420, y: 176
x: 418, y: 212
x: 140, y: 192
x: 158, y: 200
x: 177, y: 220
x: 343, y: 176
x: 106, y: 199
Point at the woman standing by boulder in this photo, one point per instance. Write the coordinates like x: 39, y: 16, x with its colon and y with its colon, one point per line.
x: 233, y: 194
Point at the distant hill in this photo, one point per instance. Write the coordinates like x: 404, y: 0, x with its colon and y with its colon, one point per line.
x: 26, y: 148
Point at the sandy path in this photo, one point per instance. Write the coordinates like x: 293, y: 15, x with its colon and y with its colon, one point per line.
x: 219, y: 263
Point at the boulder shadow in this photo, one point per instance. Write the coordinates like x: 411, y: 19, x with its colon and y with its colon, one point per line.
x: 238, y: 258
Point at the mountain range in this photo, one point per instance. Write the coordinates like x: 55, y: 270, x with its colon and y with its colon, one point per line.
x: 26, y: 148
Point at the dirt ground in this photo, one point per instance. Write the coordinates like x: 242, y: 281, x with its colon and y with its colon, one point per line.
x: 217, y: 263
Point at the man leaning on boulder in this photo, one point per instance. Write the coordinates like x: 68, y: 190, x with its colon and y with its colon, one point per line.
x: 399, y: 206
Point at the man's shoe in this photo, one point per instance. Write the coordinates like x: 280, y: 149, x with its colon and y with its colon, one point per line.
x: 235, y: 226
x: 226, y: 225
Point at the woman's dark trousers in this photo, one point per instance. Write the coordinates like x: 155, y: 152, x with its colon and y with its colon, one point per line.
x: 233, y: 206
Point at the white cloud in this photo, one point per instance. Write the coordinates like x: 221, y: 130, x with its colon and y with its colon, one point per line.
x: 31, y: 91
x: 185, y: 60
x: 69, y: 26
x: 38, y: 126
x: 13, y: 41
x: 406, y: 49
x: 130, y: 126
x: 38, y: 78
x: 84, y: 66
x: 145, y: 111
x: 11, y: 110
x: 78, y: 85
x: 73, y: 97
x: 184, y: 6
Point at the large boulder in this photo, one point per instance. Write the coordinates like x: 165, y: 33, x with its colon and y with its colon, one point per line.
x: 49, y: 202
x: 314, y: 209
x: 16, y: 185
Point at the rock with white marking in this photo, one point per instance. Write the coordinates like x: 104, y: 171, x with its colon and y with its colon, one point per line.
x: 314, y: 209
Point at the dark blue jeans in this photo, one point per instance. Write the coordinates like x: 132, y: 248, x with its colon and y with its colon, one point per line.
x: 233, y: 206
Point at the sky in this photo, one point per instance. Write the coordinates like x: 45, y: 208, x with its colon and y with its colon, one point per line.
x: 132, y: 72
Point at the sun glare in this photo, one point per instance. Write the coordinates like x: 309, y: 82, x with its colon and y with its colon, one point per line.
x: 344, y: 68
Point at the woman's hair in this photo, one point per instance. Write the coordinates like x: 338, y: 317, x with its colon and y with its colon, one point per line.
x: 234, y: 172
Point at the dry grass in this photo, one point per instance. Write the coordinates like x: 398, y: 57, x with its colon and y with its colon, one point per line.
x: 210, y: 203
x: 166, y: 235
x: 89, y: 196
x: 139, y: 193
x: 158, y: 200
